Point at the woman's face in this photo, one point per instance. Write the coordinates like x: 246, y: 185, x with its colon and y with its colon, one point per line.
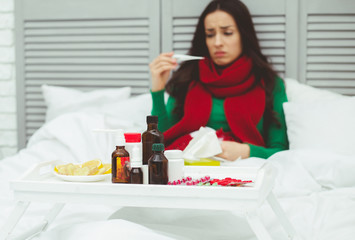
x: 222, y: 38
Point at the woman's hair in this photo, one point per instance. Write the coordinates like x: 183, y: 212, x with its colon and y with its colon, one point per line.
x: 178, y: 85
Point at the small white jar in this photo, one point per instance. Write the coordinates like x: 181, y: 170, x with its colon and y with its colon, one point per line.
x: 133, y: 140
x: 175, y: 164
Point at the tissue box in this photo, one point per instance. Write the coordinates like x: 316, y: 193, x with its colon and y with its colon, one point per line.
x: 202, y: 162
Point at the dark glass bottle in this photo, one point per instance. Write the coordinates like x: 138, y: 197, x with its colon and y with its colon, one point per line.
x: 149, y: 137
x: 120, y: 162
x: 158, y: 165
x: 136, y: 175
x: 136, y: 164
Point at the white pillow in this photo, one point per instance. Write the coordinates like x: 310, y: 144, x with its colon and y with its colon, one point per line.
x: 129, y: 114
x: 299, y: 92
x: 60, y: 100
x: 327, y: 125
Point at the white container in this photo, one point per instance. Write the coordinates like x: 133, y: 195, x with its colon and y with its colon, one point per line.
x: 133, y: 140
x: 145, y: 174
x: 175, y: 164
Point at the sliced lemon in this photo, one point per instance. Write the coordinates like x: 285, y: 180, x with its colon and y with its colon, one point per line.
x: 92, y: 163
x: 107, y: 166
x: 93, y: 170
x: 101, y: 171
x: 92, y: 167
x: 57, y: 167
x: 84, y: 171
x: 66, y: 169
x: 70, y: 169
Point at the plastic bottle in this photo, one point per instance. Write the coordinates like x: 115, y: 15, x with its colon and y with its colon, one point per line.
x: 150, y: 136
x: 132, y: 140
x: 158, y: 165
x: 136, y: 164
x: 120, y: 160
x: 176, y: 164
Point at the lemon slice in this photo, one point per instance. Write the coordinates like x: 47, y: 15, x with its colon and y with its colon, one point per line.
x: 92, y: 167
x: 57, y: 167
x: 106, y: 169
x: 84, y: 171
x: 92, y: 163
x: 107, y: 166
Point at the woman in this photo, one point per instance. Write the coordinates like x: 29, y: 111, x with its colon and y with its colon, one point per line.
x: 233, y: 89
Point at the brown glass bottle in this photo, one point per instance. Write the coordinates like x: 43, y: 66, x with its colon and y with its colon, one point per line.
x: 120, y: 165
x: 136, y: 175
x: 158, y: 165
x: 149, y: 137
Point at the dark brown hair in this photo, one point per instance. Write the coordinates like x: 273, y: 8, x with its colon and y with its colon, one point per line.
x: 177, y: 87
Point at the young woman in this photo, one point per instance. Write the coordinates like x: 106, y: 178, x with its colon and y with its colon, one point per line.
x: 233, y: 89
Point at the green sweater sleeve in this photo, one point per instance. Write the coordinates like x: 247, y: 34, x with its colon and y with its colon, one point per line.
x: 277, y: 138
x: 164, y: 112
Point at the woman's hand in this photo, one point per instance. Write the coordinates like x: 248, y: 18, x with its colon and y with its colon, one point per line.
x: 160, y: 70
x: 233, y: 150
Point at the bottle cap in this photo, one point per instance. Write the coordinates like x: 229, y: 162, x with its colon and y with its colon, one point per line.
x: 119, y: 138
x: 158, y: 147
x: 132, y: 137
x: 152, y: 119
x: 173, y: 154
x: 136, y: 158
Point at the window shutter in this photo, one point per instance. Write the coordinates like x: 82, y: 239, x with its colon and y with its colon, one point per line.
x: 82, y: 44
x: 328, y: 49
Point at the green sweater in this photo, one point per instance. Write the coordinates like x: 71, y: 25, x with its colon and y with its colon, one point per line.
x: 277, y: 138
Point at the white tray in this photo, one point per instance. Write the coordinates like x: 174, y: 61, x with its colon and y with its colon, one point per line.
x: 40, y: 184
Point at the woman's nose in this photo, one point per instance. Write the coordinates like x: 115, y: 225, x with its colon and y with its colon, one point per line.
x: 218, y: 40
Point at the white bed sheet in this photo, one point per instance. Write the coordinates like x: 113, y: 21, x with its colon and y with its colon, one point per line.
x: 315, y: 188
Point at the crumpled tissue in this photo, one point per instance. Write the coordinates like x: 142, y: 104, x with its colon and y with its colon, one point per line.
x: 204, y: 144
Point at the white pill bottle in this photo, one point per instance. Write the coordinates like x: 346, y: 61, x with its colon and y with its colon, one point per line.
x: 175, y: 164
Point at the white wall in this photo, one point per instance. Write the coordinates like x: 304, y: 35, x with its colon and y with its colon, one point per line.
x: 8, y: 133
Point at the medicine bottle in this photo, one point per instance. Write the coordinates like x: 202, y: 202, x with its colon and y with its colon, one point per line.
x: 176, y: 164
x: 132, y: 140
x: 158, y: 165
x: 149, y: 137
x: 120, y: 160
x: 136, y: 164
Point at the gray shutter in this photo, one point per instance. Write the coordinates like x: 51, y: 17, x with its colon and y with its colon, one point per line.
x: 328, y: 47
x: 179, y: 18
x: 82, y: 44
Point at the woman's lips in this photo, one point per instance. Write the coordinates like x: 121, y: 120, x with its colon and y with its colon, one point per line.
x: 219, y: 54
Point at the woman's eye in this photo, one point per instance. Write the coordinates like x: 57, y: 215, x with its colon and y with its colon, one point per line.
x: 228, y: 33
x: 209, y: 35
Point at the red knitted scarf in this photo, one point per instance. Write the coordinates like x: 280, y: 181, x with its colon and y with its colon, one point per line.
x: 244, y: 103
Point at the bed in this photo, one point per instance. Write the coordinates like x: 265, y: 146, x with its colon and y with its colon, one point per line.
x: 69, y: 54
x: 315, y: 184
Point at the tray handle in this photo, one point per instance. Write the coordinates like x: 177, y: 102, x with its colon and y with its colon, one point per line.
x: 39, y: 170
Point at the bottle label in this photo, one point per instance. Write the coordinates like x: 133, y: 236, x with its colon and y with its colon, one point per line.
x: 123, y: 168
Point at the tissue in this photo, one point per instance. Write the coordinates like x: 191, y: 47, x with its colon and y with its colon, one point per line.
x: 204, y: 144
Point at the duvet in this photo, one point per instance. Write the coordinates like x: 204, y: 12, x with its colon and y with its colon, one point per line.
x: 316, y: 189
